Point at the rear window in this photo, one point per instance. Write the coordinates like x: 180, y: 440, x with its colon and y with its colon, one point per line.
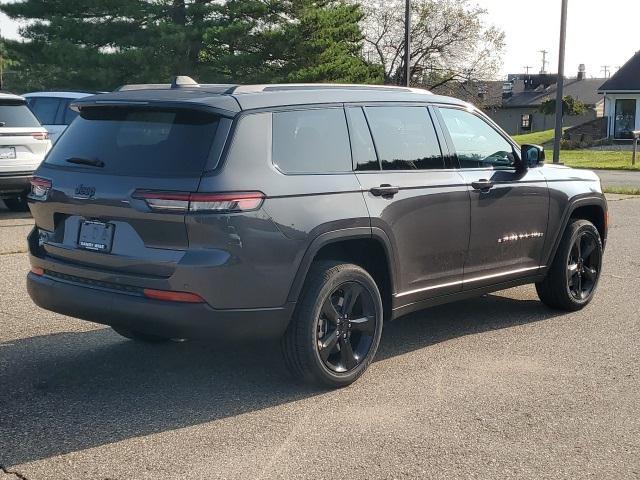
x: 17, y: 115
x: 139, y: 141
x: 311, y: 141
x: 45, y: 109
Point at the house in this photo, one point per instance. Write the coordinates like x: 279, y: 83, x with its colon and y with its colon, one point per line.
x: 515, y: 104
x: 621, y: 97
x: 523, y: 95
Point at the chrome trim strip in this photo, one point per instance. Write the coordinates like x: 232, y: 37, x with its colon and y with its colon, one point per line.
x: 459, y: 282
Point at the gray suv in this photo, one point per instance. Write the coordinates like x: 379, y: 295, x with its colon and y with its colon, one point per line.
x: 309, y: 213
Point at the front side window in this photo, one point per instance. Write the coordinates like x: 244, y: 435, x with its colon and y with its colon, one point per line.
x: 477, y: 144
x: 311, y: 141
x: 405, y: 138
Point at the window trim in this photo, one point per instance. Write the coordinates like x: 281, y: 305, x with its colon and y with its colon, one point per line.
x: 298, y: 108
x: 490, y: 123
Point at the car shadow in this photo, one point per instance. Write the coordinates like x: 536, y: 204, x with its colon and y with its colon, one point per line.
x: 6, y: 214
x: 71, y: 391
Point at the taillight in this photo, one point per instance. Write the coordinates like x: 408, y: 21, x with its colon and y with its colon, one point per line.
x: 40, y: 135
x: 171, y: 296
x: 40, y: 188
x: 180, y: 202
x: 37, y: 271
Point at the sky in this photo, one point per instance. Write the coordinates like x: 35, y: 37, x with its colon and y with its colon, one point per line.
x: 598, y: 33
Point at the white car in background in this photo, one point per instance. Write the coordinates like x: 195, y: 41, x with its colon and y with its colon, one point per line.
x: 52, y: 110
x: 23, y: 145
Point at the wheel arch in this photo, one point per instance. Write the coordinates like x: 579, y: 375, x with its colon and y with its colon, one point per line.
x: 369, y: 248
x: 592, y: 208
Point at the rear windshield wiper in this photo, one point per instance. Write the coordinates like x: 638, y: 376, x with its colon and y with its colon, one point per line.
x: 86, y: 161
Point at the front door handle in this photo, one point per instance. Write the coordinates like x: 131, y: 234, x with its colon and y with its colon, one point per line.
x: 384, y: 190
x: 483, y: 185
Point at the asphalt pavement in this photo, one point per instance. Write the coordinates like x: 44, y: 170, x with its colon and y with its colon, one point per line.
x: 497, y: 387
x: 619, y: 178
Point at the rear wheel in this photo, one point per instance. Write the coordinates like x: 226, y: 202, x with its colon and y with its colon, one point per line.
x: 139, y: 336
x: 573, y: 277
x: 336, y: 328
x: 17, y: 204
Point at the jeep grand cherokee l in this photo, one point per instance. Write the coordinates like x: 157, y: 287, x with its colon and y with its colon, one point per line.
x: 313, y: 214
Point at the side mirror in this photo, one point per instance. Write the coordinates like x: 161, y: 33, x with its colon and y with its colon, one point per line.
x: 532, y: 155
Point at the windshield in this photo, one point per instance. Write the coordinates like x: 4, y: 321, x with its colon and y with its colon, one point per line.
x: 17, y: 115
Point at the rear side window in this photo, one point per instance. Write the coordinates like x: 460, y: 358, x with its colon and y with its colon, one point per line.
x: 69, y: 115
x: 139, y: 141
x: 45, y: 109
x: 17, y: 114
x: 405, y: 138
x: 311, y: 141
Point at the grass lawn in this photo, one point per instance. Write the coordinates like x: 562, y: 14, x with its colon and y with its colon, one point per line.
x: 596, y: 159
x: 622, y: 190
x: 536, y: 138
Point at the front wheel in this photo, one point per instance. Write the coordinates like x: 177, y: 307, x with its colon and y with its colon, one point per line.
x: 573, y: 276
x: 336, y: 328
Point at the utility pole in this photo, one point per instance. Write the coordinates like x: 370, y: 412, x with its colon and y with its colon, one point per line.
x: 544, y: 61
x: 526, y: 69
x: 560, y: 87
x: 407, y: 43
x: 607, y: 72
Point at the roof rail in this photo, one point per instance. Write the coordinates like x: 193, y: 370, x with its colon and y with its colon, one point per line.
x: 323, y: 86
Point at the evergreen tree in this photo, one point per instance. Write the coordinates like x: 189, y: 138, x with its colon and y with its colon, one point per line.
x: 101, y: 44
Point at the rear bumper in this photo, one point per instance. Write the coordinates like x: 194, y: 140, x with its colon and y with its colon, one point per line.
x: 14, y: 183
x: 170, y: 319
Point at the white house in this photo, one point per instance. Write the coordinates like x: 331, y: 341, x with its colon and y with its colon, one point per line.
x: 622, y: 100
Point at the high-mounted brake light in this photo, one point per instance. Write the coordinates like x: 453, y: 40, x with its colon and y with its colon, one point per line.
x: 181, y: 202
x: 40, y: 188
x: 40, y: 135
x: 171, y: 296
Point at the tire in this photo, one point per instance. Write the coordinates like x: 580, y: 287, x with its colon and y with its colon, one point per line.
x: 17, y: 204
x: 572, y: 279
x: 311, y: 352
x: 139, y: 336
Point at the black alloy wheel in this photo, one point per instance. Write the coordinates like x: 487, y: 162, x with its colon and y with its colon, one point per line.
x: 336, y: 328
x: 346, y: 327
x: 583, y: 266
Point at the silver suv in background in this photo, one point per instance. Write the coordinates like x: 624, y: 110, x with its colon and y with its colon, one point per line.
x: 52, y: 110
x: 23, y: 145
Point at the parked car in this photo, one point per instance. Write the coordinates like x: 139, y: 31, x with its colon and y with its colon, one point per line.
x: 23, y: 145
x: 309, y: 213
x: 52, y: 109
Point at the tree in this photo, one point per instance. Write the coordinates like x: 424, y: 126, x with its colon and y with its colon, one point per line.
x: 101, y: 44
x: 288, y: 41
x: 449, y: 41
x: 570, y: 106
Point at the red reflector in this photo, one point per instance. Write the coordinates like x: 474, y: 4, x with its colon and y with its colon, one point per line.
x: 37, y: 271
x: 40, y: 135
x: 170, y: 296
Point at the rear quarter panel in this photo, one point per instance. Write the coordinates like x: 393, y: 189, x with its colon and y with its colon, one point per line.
x: 266, y: 248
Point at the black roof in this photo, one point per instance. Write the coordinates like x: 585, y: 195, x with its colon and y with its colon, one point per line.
x: 231, y: 100
x: 625, y: 79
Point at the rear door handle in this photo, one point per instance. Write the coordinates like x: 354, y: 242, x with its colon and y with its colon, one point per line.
x: 384, y: 190
x: 483, y: 185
